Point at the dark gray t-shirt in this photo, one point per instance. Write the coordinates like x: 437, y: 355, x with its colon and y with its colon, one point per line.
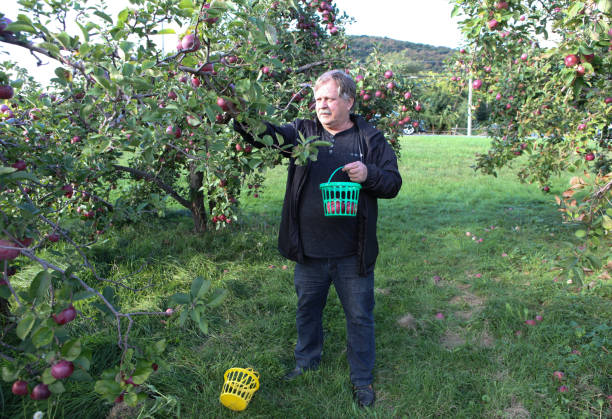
x: 323, y: 236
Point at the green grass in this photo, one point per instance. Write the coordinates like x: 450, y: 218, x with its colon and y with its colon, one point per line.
x: 481, y: 360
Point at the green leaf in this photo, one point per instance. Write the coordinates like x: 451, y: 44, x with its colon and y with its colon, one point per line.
x: 140, y: 83
x: 9, y: 373
x: 199, y: 287
x: 83, y: 361
x: 42, y: 336
x: 7, y: 170
x: 85, y: 31
x: 21, y: 27
x: 131, y: 399
x: 80, y: 375
x: 123, y: 16
x: 180, y: 298
x: 271, y: 34
x: 83, y: 295
x: 40, y: 285
x: 203, y: 324
x: 456, y: 10
x: 71, y: 350
x: 57, y: 387
x: 160, y: 346
x: 186, y: 4
x: 64, y: 39
x: 217, y: 297
x: 25, y: 325
x: 103, y: 16
x: 606, y: 222
x: 142, y: 373
x: 575, y: 9
x: 580, y: 234
x: 107, y: 388
x: 166, y: 31
x: 183, y: 317
x: 46, y: 377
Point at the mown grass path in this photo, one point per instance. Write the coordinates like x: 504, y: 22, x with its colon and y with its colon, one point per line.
x: 465, y: 260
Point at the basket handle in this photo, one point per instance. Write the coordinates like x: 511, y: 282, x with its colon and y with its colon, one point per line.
x: 332, y: 175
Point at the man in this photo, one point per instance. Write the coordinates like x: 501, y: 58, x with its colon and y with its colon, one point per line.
x: 338, y: 250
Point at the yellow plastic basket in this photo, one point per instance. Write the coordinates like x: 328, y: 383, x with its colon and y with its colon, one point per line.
x: 238, y: 388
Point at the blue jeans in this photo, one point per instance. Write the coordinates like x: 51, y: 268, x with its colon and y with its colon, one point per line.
x: 312, y: 280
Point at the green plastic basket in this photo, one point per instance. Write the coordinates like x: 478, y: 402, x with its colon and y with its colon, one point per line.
x: 340, y: 198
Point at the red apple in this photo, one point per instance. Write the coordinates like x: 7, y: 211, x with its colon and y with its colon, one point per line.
x: 209, y: 20
x: 501, y: 5
x: 333, y: 30
x: 492, y: 24
x: 19, y: 165
x: 388, y: 74
x: 8, y: 250
x: 195, y: 82
x: 608, y: 100
x: 172, y: 95
x: 6, y: 92
x: 207, y: 68
x: 238, y: 147
x: 580, y: 70
x: 190, y: 42
x: 53, y: 237
x: 378, y: 93
x: 407, y: 95
x: 62, y: 369
x: 75, y: 139
x: 265, y: 70
x: 524, y: 56
x: 589, y: 157
x: 40, y: 392
x: 20, y: 388
x: 65, y: 316
x: 571, y: 60
x: 222, y: 103
x: 418, y: 108
x: 366, y: 97
x: 581, y: 127
x: 477, y: 83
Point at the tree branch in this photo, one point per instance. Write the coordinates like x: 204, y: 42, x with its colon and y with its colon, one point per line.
x: 146, y: 175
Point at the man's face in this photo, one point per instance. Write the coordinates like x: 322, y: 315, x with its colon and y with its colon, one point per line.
x: 332, y: 110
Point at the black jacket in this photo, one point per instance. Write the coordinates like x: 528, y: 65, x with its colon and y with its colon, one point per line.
x: 383, y: 181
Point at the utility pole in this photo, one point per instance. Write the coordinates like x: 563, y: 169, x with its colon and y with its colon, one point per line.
x: 469, y: 121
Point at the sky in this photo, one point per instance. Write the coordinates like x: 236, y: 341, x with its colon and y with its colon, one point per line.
x: 418, y: 21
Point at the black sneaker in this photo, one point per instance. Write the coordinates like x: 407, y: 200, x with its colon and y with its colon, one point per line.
x: 364, y: 395
x: 296, y: 372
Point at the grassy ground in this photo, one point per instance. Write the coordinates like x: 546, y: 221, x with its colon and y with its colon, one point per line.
x: 450, y: 315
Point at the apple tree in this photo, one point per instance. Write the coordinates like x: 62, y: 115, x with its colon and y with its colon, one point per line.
x: 543, y: 68
x: 125, y: 126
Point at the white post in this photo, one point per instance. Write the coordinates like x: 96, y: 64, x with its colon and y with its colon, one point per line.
x: 469, y: 121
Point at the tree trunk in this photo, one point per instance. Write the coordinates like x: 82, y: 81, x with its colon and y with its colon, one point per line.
x: 196, y: 196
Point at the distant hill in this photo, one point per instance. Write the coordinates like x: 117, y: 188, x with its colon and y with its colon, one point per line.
x: 419, y: 57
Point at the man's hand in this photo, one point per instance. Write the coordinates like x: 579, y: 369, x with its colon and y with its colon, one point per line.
x: 357, y: 171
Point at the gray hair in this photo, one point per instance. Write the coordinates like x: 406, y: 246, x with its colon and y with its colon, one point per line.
x: 346, y: 86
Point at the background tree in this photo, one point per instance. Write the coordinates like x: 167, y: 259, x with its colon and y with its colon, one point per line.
x: 544, y: 69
